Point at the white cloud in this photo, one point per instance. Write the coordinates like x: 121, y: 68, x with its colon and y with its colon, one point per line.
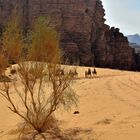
x: 123, y: 14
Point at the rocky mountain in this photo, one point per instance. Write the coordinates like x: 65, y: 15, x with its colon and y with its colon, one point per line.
x: 134, y: 38
x: 85, y: 38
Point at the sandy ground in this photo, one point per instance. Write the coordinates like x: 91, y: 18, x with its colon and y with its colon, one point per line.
x: 109, y: 108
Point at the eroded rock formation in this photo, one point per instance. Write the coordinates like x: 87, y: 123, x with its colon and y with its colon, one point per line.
x: 114, y: 51
x: 84, y: 36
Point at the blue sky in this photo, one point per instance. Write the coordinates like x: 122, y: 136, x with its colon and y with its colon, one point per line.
x: 124, y: 14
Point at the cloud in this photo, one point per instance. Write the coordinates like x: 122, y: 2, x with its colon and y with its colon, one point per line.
x: 123, y: 14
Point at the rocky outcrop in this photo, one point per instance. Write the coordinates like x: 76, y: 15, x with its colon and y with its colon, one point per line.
x: 114, y: 51
x: 84, y: 36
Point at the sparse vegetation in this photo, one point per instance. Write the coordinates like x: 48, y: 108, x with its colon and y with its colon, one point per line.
x: 40, y: 89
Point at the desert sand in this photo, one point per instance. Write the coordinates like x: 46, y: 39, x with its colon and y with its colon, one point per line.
x: 109, y: 108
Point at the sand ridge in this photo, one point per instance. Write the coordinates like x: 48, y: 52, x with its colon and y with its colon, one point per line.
x: 109, y: 107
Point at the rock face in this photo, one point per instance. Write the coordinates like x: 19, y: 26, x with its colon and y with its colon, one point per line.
x: 114, y: 51
x: 84, y: 36
x: 137, y: 58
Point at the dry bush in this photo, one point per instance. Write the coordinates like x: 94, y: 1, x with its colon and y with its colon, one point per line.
x: 40, y: 88
x: 2, y: 64
x: 12, y: 40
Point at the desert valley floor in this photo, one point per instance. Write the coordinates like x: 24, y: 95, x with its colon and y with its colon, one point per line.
x: 109, y: 108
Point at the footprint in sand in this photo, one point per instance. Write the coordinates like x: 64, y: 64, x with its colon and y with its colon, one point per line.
x: 1, y: 131
x: 104, y: 121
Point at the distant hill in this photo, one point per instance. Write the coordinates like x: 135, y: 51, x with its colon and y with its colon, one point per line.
x: 135, y: 46
x: 134, y: 42
x: 134, y: 38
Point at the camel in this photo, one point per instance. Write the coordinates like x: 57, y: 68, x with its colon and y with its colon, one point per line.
x: 88, y: 73
x: 94, y: 72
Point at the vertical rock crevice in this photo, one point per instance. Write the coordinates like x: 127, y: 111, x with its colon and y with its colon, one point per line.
x: 84, y: 36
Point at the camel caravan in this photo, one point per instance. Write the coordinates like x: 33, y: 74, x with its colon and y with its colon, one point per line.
x: 72, y: 73
x: 90, y: 74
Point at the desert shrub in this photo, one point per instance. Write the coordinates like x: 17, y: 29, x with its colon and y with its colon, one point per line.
x: 12, y: 41
x: 42, y: 90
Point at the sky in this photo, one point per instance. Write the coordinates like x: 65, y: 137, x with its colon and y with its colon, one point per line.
x: 123, y: 14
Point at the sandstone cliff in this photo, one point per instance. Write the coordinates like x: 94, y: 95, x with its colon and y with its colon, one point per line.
x: 84, y: 36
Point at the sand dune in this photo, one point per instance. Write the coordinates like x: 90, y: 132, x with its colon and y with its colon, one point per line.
x: 109, y: 108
